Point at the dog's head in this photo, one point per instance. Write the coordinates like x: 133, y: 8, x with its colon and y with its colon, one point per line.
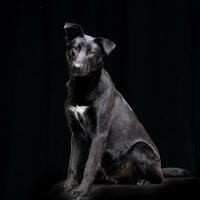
x: 84, y: 53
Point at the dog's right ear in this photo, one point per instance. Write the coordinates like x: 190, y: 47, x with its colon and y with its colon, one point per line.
x: 106, y: 45
x: 72, y: 31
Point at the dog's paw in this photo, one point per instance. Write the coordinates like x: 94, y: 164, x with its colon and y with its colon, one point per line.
x: 78, y: 193
x: 69, y: 185
x: 80, y: 198
x: 143, y: 182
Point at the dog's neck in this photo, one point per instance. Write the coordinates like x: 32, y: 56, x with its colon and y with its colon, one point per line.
x: 82, y: 90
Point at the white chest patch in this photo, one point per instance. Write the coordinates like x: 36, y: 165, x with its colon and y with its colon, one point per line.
x: 78, y: 110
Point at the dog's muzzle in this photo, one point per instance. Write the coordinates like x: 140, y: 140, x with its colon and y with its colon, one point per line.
x: 76, y: 68
x: 79, y: 70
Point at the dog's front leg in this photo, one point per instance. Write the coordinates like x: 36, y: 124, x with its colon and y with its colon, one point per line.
x: 98, y: 144
x: 75, y: 158
x: 92, y: 165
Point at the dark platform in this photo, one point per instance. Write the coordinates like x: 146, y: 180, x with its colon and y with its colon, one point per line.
x: 174, y: 188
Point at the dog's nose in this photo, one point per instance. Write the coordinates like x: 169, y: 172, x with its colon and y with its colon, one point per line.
x: 76, y: 66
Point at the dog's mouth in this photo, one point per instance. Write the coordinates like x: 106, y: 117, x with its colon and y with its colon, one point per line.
x: 84, y: 71
x: 79, y: 74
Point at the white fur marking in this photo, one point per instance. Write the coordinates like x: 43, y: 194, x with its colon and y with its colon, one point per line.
x: 78, y: 109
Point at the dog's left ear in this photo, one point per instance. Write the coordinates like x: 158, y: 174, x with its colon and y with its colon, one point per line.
x: 72, y: 31
x: 106, y: 45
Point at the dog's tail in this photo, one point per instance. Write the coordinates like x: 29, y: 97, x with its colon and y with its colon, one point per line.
x: 171, y: 172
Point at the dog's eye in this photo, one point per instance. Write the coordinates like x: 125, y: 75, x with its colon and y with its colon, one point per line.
x: 75, y: 49
x: 72, y: 51
x: 91, y: 53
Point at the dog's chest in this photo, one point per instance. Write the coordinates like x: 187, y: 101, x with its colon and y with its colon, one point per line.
x: 80, y: 115
x: 78, y: 111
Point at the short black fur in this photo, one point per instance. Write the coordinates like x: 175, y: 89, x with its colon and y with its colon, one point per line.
x: 120, y: 150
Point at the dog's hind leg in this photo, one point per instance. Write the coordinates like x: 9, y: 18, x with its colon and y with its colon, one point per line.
x: 146, y: 164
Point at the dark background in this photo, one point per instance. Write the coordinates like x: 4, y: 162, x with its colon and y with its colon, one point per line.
x: 156, y: 66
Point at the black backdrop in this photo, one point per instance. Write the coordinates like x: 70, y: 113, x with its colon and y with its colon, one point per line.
x: 155, y: 66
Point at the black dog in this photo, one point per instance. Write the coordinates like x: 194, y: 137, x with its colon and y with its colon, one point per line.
x: 100, y: 118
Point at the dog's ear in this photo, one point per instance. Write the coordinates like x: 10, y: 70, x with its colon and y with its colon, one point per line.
x: 106, y: 45
x: 72, y: 31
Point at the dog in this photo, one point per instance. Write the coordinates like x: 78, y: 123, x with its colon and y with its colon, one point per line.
x: 99, y: 118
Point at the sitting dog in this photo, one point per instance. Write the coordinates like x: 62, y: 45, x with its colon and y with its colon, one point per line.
x: 99, y: 118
